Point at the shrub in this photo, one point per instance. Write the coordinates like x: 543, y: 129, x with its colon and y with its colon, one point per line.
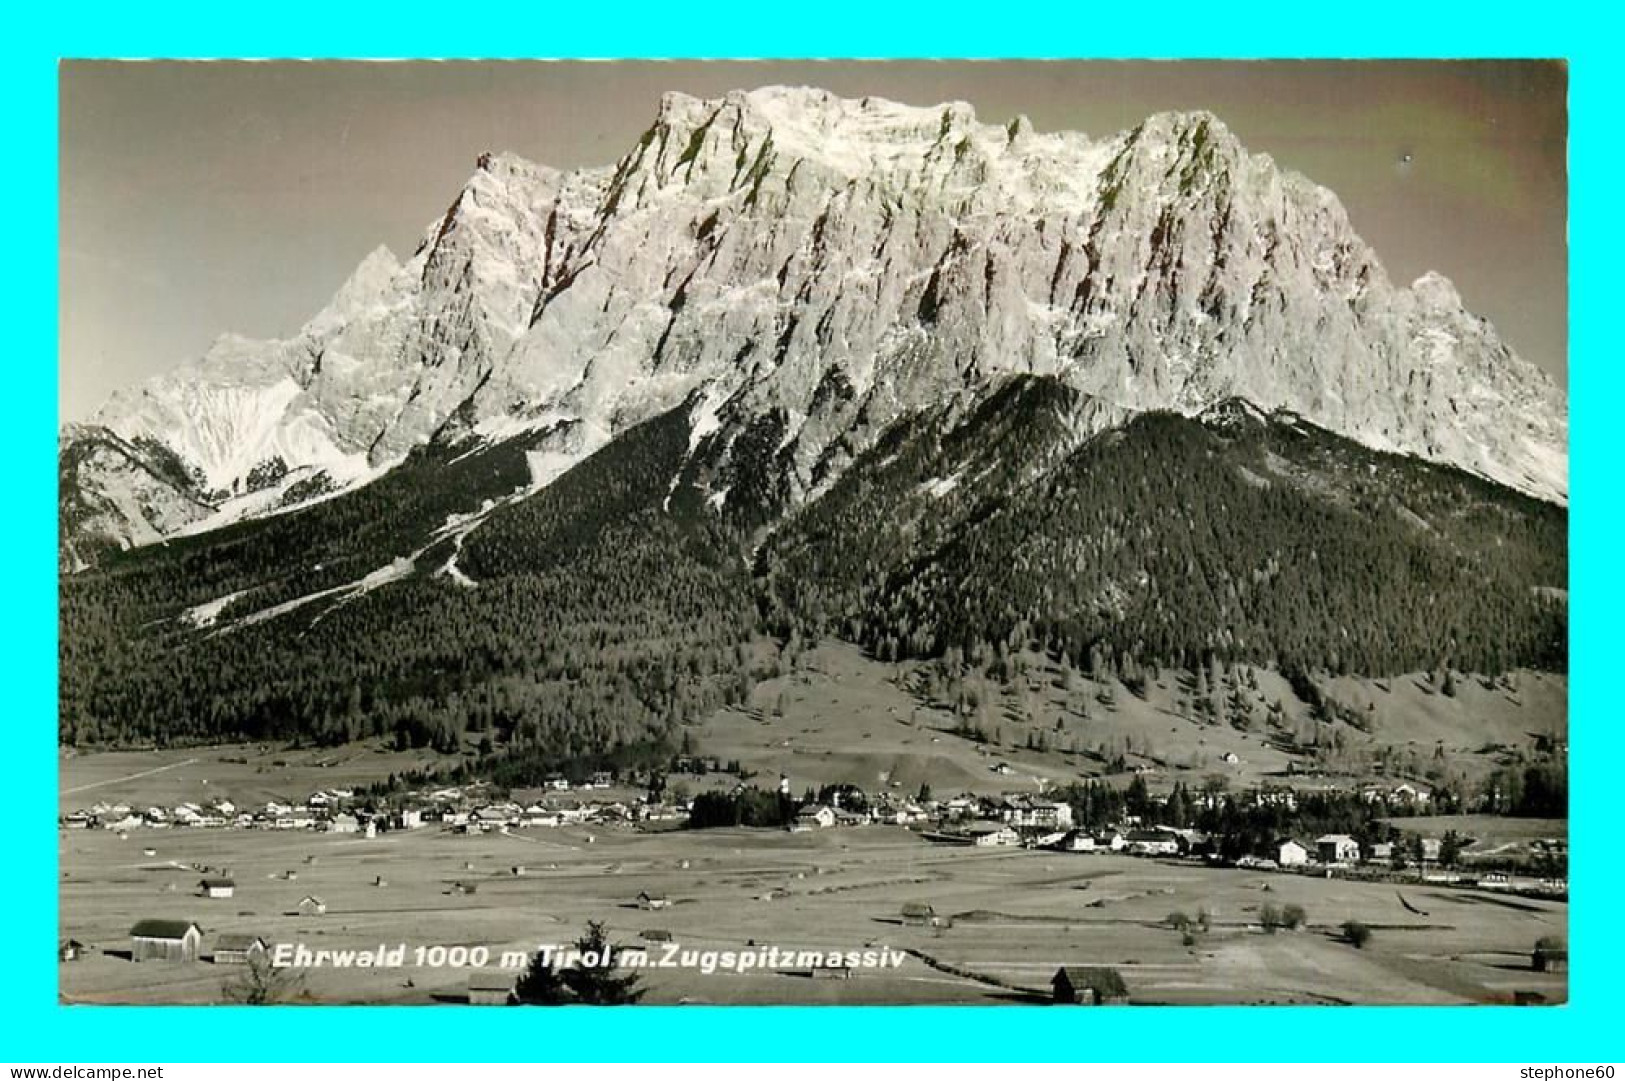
x: 1294, y: 917
x: 1178, y: 921
x: 1269, y: 917
x: 1356, y: 933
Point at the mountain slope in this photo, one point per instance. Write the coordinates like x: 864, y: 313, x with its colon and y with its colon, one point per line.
x: 838, y: 265
x: 455, y: 598
x: 1173, y: 540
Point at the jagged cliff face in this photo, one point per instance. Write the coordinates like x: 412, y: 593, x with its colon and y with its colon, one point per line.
x: 823, y: 266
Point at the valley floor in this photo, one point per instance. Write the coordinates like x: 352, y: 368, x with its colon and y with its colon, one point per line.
x: 1016, y: 916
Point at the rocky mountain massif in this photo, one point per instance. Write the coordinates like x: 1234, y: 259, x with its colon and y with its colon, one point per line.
x: 838, y: 265
x: 799, y: 367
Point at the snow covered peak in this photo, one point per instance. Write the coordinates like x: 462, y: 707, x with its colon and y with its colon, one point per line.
x: 368, y: 286
x: 835, y: 264
x: 1437, y: 292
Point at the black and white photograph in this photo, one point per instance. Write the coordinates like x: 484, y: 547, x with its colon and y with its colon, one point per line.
x: 898, y: 532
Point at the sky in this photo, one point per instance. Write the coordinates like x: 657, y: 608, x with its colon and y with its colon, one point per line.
x: 199, y: 198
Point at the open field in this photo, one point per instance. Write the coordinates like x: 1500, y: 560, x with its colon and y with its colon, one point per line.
x: 1017, y: 915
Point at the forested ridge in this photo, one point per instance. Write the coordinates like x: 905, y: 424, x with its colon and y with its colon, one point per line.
x: 1172, y: 540
x: 612, y: 606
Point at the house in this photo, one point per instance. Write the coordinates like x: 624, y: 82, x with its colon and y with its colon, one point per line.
x: 312, y: 906
x: 987, y: 834
x: 918, y: 913
x: 217, y: 887
x: 652, y: 901
x: 1089, y: 986
x: 538, y: 815
x: 165, y: 940
x: 70, y: 949
x: 343, y: 823
x: 1407, y: 794
x: 491, y: 987
x: 1153, y: 842
x: 238, y: 949
x: 1078, y: 841
x: 1431, y: 847
x: 1379, y: 852
x: 1027, y: 812
x: 1337, y: 848
x: 815, y: 816
x: 1289, y: 853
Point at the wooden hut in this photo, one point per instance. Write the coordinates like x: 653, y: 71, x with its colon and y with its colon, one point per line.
x: 1549, y: 959
x: 312, y: 906
x: 917, y: 914
x: 165, y: 940
x: 70, y: 949
x: 491, y: 987
x: 238, y: 949
x: 217, y: 887
x: 1089, y: 986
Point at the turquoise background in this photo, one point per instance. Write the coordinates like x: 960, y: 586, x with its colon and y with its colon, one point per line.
x: 34, y: 1028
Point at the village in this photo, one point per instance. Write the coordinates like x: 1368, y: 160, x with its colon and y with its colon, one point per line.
x: 1012, y: 819
x: 564, y: 821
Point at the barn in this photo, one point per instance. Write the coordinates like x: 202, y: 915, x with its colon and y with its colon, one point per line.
x: 217, y: 887
x: 238, y: 949
x: 1089, y: 986
x: 490, y: 987
x: 165, y: 940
